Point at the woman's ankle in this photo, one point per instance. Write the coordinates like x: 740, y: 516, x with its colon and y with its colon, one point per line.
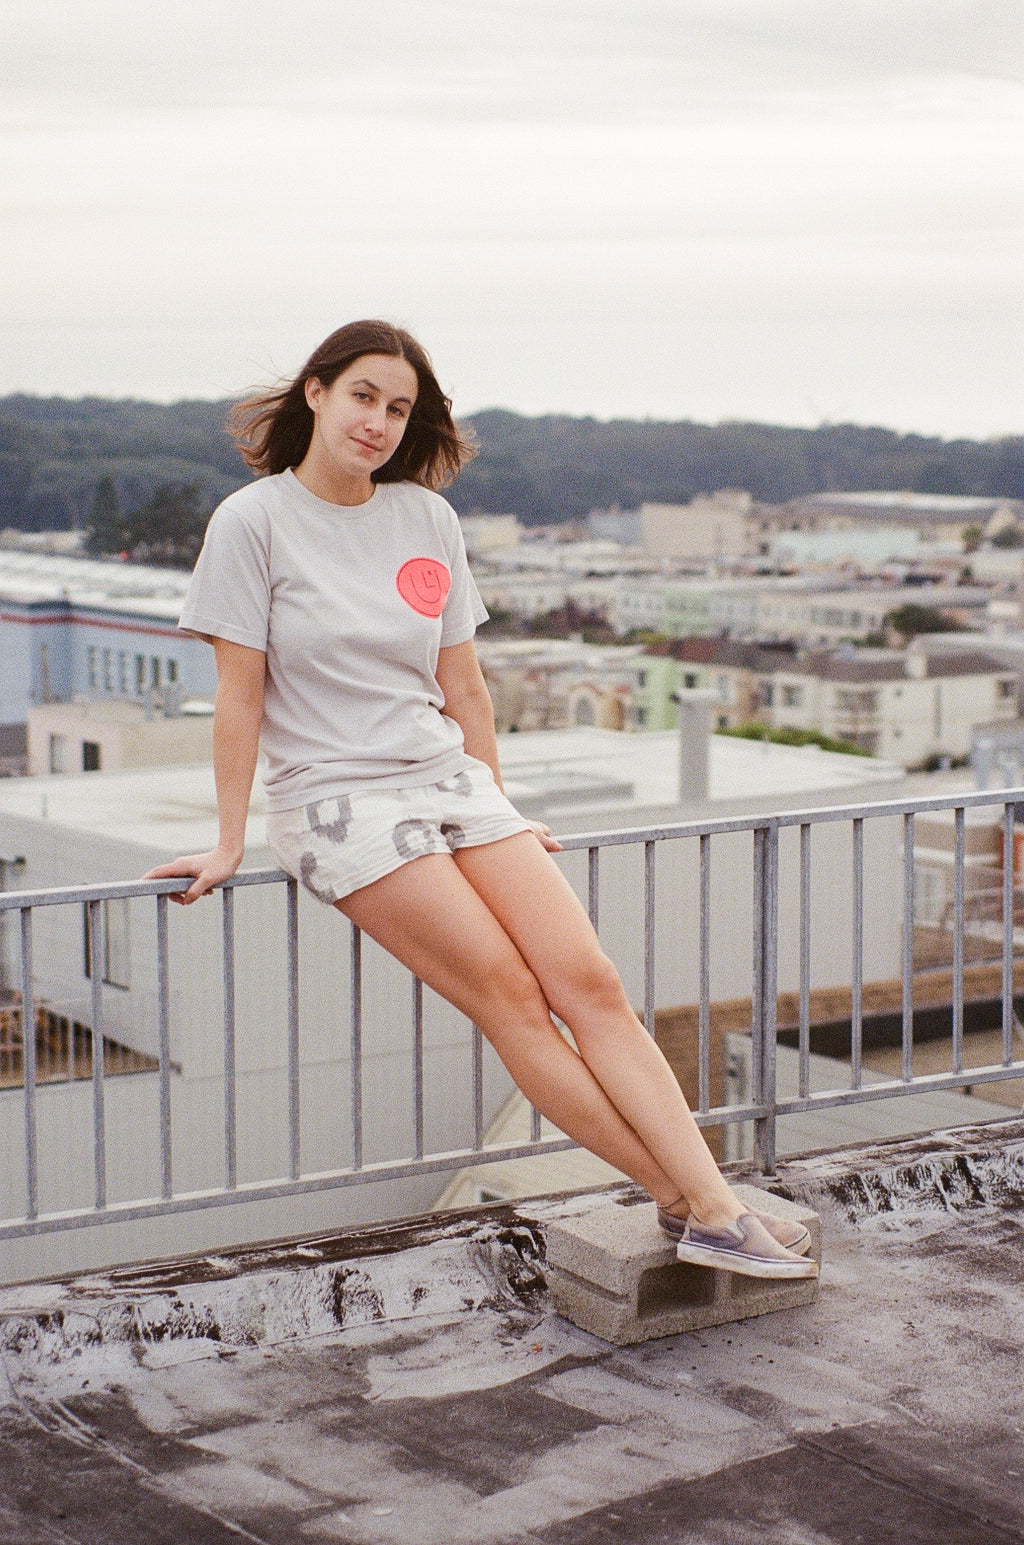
x: 718, y: 1209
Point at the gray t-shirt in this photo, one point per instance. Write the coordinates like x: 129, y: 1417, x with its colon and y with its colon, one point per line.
x: 351, y: 605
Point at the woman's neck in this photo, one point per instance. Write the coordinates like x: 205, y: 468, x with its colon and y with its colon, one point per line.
x: 316, y: 474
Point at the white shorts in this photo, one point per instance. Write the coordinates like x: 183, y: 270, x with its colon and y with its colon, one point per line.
x: 342, y: 843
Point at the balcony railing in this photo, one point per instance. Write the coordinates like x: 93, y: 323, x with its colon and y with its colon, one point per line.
x: 790, y: 861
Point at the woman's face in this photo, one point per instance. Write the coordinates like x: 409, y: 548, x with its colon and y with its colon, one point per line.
x: 361, y: 417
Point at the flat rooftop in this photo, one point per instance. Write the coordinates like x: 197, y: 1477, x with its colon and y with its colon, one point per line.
x: 568, y: 775
x: 412, y: 1383
x: 100, y: 584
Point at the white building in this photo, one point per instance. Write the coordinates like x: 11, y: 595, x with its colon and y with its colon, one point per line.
x: 97, y: 735
x: 720, y: 525
x: 907, y: 706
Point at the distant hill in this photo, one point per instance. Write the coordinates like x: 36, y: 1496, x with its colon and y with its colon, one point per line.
x: 55, y: 452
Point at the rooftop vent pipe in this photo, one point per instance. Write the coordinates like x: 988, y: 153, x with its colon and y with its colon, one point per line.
x: 694, y: 705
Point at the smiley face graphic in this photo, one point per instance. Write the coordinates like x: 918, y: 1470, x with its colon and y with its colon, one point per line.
x: 424, y: 583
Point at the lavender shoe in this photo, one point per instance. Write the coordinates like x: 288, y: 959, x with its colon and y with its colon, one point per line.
x: 791, y: 1236
x: 744, y: 1246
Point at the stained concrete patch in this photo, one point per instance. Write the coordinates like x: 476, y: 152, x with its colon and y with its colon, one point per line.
x: 58, y: 1488
x: 808, y: 1494
x: 484, y: 1440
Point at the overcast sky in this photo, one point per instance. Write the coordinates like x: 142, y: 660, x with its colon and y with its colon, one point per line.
x: 793, y: 210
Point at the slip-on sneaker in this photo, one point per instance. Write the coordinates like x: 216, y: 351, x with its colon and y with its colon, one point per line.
x: 791, y: 1236
x: 744, y: 1246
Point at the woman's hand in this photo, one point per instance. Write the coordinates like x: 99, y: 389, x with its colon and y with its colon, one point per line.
x: 208, y: 869
x: 544, y: 837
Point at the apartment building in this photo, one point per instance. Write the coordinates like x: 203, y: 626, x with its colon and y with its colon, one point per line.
x: 781, y: 608
x: 556, y: 684
x: 907, y: 706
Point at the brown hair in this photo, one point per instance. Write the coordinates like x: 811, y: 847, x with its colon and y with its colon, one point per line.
x: 273, y: 429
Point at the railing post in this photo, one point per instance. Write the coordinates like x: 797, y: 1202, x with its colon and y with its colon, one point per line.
x: 765, y: 1016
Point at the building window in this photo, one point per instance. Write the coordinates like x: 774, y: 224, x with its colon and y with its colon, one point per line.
x: 1007, y: 687
x: 45, y: 689
x: 172, y: 672
x: 792, y: 697
x: 59, y: 754
x: 122, y: 674
x: 856, y: 702
x: 108, y: 670
x: 115, y: 950
x: 140, y: 674
x: 92, y: 665
x: 689, y: 680
x: 90, y: 756
x: 154, y: 673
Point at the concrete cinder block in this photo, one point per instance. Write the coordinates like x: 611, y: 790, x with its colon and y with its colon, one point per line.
x: 612, y: 1272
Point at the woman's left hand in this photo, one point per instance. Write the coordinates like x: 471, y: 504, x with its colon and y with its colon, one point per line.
x: 544, y: 837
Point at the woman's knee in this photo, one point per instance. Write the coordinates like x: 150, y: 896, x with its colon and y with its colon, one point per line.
x: 511, y: 993
x: 588, y: 986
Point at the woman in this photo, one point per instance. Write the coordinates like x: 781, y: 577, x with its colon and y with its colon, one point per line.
x: 337, y: 597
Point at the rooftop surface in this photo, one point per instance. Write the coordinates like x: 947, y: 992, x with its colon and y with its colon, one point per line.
x: 624, y: 773
x: 412, y: 1383
x: 107, y: 585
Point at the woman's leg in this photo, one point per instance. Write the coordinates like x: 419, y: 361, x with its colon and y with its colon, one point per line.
x: 429, y: 916
x: 523, y: 888
x: 467, y: 935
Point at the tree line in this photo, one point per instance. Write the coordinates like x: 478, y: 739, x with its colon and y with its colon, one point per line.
x: 144, y: 476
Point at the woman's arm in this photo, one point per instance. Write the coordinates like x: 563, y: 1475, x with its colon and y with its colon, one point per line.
x: 241, y: 675
x: 468, y: 702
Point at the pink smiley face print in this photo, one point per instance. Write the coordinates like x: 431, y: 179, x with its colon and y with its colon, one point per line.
x: 424, y: 583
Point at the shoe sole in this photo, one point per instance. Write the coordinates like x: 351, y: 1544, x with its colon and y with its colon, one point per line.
x: 745, y: 1265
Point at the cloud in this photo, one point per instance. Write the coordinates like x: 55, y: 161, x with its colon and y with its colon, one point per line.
x: 248, y: 168
x: 548, y: 61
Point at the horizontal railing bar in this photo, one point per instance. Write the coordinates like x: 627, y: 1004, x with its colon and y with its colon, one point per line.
x: 10, y: 900
x: 929, y: 1083
x: 261, y: 1191
x: 115, y: 890
x: 744, y: 823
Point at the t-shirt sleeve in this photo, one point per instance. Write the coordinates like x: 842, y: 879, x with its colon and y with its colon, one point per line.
x: 229, y: 594
x: 464, y: 611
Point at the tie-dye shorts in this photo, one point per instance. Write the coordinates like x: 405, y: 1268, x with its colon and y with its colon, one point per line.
x: 342, y: 843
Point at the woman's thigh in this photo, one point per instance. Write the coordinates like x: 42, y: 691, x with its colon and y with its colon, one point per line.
x: 429, y: 916
x: 525, y: 891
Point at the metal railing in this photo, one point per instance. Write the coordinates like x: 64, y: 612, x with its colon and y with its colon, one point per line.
x: 700, y: 838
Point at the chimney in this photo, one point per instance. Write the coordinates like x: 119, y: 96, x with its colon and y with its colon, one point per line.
x: 695, y: 705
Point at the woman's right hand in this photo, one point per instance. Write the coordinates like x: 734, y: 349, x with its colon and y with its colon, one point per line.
x: 208, y: 869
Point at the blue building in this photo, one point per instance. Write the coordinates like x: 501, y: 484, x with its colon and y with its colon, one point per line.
x: 89, y: 628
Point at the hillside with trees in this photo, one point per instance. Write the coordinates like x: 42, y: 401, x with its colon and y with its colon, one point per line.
x: 143, y: 476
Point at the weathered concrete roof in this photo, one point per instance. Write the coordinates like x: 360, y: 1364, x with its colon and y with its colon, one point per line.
x: 411, y: 1383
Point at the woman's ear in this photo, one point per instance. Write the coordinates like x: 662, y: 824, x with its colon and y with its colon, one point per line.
x: 313, y: 391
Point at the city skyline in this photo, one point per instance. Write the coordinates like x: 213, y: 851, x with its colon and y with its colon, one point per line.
x: 785, y: 213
